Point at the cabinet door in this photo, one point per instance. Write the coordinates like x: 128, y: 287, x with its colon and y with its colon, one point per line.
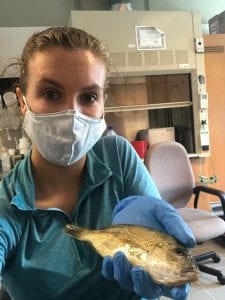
x: 131, y: 92
x: 215, y: 80
x: 156, y: 87
x: 127, y: 94
x: 181, y: 118
x: 168, y: 88
x: 178, y: 88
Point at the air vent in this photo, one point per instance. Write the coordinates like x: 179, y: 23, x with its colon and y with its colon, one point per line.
x: 166, y: 57
x: 118, y: 59
x: 209, y: 49
x: 134, y: 59
x: 150, y: 58
x: 181, y: 57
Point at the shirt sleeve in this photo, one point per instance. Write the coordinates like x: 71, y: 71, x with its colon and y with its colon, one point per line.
x: 137, y: 179
x: 10, y: 229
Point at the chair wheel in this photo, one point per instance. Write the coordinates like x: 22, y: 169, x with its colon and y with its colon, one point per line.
x: 216, y: 258
x: 221, y: 279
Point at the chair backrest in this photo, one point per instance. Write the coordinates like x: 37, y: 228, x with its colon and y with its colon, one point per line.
x: 170, y: 168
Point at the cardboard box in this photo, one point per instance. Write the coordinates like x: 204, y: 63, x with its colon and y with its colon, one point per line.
x: 156, y: 135
x: 217, y: 24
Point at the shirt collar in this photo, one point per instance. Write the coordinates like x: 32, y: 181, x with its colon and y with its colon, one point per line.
x: 97, y: 172
x: 24, y: 184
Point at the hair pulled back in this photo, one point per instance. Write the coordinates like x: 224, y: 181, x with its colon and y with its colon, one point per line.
x: 69, y: 38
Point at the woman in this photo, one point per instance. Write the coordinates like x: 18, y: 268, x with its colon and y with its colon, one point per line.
x: 71, y: 174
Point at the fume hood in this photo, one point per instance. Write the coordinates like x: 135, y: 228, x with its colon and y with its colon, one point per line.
x: 150, y: 49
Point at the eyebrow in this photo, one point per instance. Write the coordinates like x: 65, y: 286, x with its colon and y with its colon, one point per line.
x: 50, y: 81
x: 55, y: 83
x: 92, y: 87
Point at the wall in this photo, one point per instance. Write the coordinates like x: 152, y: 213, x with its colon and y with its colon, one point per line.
x: 15, y: 13
x: 23, y: 13
x: 12, y: 40
x: 207, y: 8
x: 215, y: 79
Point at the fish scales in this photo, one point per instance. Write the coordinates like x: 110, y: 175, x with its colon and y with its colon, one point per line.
x: 161, y: 255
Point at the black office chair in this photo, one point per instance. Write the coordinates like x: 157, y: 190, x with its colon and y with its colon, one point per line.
x: 170, y: 168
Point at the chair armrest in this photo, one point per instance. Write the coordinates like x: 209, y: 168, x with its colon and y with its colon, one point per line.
x: 209, y: 190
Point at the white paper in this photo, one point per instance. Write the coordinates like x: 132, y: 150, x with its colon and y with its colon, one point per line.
x: 149, y: 38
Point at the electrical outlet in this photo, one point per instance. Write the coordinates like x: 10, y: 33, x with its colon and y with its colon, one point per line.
x: 203, y: 100
x: 210, y: 179
x: 199, y: 45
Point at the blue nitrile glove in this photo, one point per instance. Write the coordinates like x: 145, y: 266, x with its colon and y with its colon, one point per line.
x: 151, y: 212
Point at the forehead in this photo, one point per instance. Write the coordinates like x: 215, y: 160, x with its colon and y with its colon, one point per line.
x: 61, y: 64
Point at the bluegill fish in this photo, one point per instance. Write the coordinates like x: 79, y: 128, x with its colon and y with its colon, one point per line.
x: 162, y: 256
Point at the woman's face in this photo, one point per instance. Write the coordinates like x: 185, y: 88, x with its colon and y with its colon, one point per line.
x: 60, y: 79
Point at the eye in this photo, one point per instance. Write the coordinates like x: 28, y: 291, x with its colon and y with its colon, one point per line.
x: 51, y: 95
x: 88, y: 98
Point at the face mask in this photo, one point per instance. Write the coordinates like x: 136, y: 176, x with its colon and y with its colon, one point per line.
x: 64, y: 137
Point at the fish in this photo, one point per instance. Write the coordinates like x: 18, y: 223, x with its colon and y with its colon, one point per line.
x: 165, y: 259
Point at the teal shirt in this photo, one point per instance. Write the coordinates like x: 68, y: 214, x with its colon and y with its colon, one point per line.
x: 38, y: 260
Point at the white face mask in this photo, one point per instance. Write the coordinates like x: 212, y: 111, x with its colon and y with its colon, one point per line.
x: 64, y: 137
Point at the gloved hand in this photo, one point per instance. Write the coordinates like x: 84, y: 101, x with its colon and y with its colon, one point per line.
x: 151, y: 212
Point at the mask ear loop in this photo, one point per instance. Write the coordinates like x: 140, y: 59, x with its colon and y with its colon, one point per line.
x: 28, y: 110
x: 25, y: 101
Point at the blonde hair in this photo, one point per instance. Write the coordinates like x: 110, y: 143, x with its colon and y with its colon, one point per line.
x: 69, y: 38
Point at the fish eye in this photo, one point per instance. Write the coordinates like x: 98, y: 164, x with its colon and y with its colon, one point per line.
x: 180, y: 251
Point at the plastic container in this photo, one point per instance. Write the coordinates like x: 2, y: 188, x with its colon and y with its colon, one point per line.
x: 12, y: 151
x: 140, y: 147
x: 6, y: 162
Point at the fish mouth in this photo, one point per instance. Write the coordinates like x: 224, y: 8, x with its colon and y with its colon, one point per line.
x: 177, y: 280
